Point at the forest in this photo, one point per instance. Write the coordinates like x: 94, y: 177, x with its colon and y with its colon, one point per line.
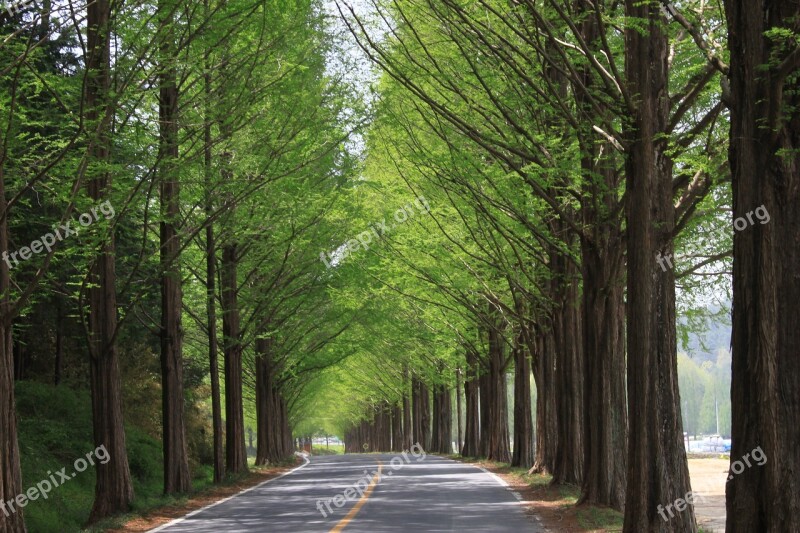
x: 231, y: 225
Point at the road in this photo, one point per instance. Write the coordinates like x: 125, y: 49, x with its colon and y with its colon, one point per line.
x: 412, y: 493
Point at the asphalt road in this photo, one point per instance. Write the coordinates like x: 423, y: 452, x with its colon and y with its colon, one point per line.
x: 412, y: 493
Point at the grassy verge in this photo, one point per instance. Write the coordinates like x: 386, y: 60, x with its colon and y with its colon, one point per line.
x: 55, y: 429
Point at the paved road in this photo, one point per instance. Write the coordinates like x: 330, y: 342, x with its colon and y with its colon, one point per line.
x: 422, y: 493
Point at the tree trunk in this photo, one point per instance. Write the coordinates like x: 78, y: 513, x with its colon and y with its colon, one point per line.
x: 459, y: 421
x: 605, y: 411
x: 266, y: 414
x: 484, y: 395
x: 546, y: 414
x: 176, y: 461
x: 765, y: 139
x: 442, y: 421
x: 657, y: 470
x: 397, y: 428
x: 422, y: 417
x: 569, y: 373
x: 235, y: 450
x: 408, y: 425
x: 472, y: 436
x: 113, y: 488
x: 10, y: 473
x: 523, y: 423
x: 498, y: 445
x: 605, y: 423
x: 211, y: 280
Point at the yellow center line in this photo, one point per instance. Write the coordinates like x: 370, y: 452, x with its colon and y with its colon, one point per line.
x: 360, y: 503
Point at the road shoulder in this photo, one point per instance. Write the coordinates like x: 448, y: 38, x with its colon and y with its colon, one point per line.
x: 161, y: 516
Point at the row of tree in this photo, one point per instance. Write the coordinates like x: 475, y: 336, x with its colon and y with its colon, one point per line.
x: 214, y: 132
x: 567, y: 149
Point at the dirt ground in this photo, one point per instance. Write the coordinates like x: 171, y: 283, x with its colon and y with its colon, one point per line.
x: 708, y: 481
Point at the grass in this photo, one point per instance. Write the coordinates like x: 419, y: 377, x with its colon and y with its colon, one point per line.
x: 592, y: 518
x: 333, y: 449
x: 55, y: 429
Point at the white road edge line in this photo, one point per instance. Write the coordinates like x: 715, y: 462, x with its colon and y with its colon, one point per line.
x: 197, y: 511
x: 503, y: 482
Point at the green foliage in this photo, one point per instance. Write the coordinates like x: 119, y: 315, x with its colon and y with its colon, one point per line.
x: 54, y: 430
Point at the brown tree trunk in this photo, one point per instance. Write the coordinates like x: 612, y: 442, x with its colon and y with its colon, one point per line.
x: 498, y: 445
x: 408, y: 425
x: 472, y: 436
x: 235, y: 450
x: 442, y: 421
x: 569, y: 373
x: 211, y: 281
x: 10, y: 473
x: 605, y: 410
x: 459, y: 416
x: 397, y: 428
x: 484, y: 395
x: 113, y: 488
x: 765, y: 390
x: 266, y: 414
x: 657, y: 469
x: 523, y: 455
x: 176, y: 461
x: 546, y: 414
x: 422, y: 417
x: 605, y: 423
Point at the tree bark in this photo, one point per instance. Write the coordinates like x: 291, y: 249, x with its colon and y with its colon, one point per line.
x: 459, y: 421
x: 605, y: 423
x: 10, y: 473
x: 569, y: 372
x: 442, y: 421
x: 498, y: 445
x: 657, y: 468
x: 523, y: 455
x: 397, y: 428
x: 765, y: 139
x: 235, y: 450
x: 211, y: 280
x: 472, y: 436
x: 267, y: 417
x: 113, y: 488
x: 408, y: 425
x: 176, y: 461
x: 546, y: 414
x: 422, y: 417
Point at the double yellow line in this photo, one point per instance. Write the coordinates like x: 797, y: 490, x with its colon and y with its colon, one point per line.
x: 360, y: 503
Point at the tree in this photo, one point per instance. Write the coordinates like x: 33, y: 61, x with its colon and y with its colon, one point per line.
x: 113, y: 491
x: 765, y: 138
x: 657, y: 467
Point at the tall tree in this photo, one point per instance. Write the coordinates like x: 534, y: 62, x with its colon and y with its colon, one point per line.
x: 658, y: 473
x: 113, y: 490
x: 176, y: 460
x: 765, y: 139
